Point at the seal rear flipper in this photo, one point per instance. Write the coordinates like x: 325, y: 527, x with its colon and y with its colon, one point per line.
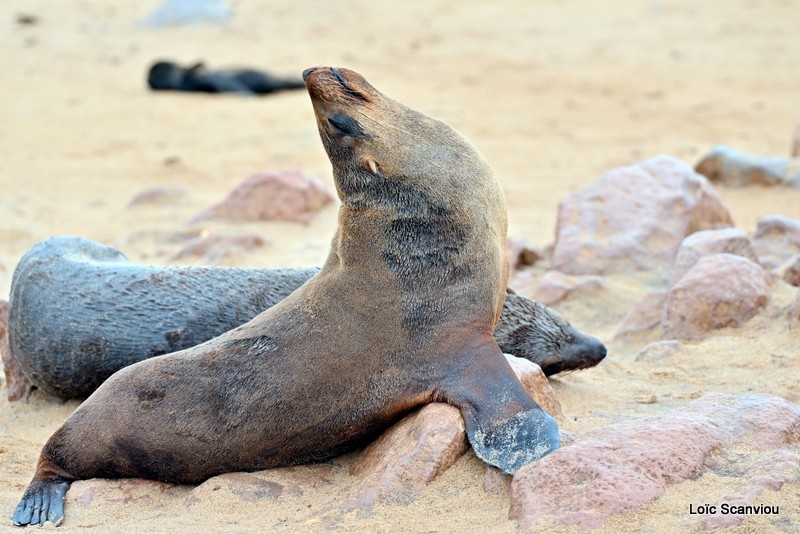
x: 505, y: 426
x: 43, y: 501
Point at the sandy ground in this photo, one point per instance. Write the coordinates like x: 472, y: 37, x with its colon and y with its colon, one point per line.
x: 553, y: 93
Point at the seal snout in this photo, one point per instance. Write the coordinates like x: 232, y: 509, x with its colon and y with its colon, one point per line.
x: 334, y: 84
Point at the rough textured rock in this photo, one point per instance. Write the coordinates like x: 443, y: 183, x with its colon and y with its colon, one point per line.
x: 718, y: 291
x: 521, y: 255
x: 287, y: 195
x: 777, y: 239
x: 737, y: 169
x: 708, y: 242
x: 536, y: 384
x: 658, y: 350
x: 634, y: 218
x: 247, y: 487
x: 408, y: 456
x: 18, y: 386
x: 772, y: 472
x: 157, y: 196
x: 796, y: 142
x: 556, y: 286
x: 789, y: 271
x: 645, y: 315
x: 98, y: 492
x: 621, y: 467
x: 232, y: 489
x: 794, y: 312
x: 215, y: 247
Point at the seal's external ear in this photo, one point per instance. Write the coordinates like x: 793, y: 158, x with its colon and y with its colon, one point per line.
x: 371, y: 165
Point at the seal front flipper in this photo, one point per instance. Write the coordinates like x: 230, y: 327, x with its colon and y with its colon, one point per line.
x: 505, y: 426
x: 43, y: 501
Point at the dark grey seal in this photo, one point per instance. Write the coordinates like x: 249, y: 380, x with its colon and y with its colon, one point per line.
x: 168, y: 76
x: 80, y: 311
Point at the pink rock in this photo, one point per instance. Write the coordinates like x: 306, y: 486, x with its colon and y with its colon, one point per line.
x: 156, y: 196
x: 215, y: 247
x: 621, y: 467
x: 634, y: 218
x: 101, y: 492
x: 718, y: 291
x: 645, y: 315
x: 246, y: 487
x: 777, y: 239
x: 738, y: 169
x: 407, y: 457
x: 556, y: 286
x: 708, y: 242
x: 771, y: 473
x: 794, y: 312
x: 536, y: 384
x: 18, y: 386
x: 521, y: 255
x: 283, y: 195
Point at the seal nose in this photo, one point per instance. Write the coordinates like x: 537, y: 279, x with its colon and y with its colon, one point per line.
x: 308, y: 71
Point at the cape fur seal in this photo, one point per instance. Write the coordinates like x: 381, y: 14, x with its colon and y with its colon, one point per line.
x: 401, y: 314
x: 82, y: 311
x: 168, y: 76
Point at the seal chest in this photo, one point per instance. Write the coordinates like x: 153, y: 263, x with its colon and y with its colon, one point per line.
x: 401, y: 313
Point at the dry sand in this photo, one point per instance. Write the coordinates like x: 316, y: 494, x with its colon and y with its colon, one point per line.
x: 553, y: 93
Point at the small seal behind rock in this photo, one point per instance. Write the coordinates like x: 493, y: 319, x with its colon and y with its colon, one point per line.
x: 401, y: 314
x: 166, y: 75
x: 82, y: 312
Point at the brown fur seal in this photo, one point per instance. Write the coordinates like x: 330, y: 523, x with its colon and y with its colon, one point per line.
x: 401, y: 314
x: 82, y: 311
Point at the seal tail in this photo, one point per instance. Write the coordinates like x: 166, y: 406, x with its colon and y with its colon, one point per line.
x: 43, y: 501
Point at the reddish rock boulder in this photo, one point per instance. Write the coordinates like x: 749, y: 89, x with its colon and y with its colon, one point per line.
x: 246, y: 487
x: 155, y: 196
x: 708, y: 242
x: 718, y: 291
x: 213, y: 248
x: 18, y: 386
x: 521, y: 255
x: 536, y: 384
x: 737, y: 169
x: 408, y: 456
x: 771, y: 473
x: 285, y: 195
x: 556, y: 286
x: 621, y: 467
x: 634, y: 218
x: 645, y: 315
x: 97, y: 492
x: 777, y: 239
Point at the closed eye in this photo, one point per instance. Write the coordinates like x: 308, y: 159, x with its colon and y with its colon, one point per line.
x: 347, y: 126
